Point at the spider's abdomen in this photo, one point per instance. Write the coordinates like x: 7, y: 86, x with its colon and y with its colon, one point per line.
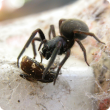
x: 68, y: 27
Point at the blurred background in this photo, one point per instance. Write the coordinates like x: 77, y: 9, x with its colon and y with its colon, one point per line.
x: 10, y: 9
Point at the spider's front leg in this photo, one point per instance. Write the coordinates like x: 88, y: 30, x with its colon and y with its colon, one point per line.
x: 61, y: 64
x: 54, y: 54
x: 42, y: 37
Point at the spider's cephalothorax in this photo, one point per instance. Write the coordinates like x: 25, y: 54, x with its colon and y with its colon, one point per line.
x: 71, y: 30
x: 50, y: 45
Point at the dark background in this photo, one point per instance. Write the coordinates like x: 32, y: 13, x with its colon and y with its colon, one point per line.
x: 33, y: 6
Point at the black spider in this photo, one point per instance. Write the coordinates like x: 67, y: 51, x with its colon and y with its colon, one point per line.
x: 71, y: 30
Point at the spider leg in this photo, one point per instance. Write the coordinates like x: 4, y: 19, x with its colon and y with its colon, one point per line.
x: 83, y: 49
x: 53, y: 66
x: 42, y: 42
x: 61, y: 64
x: 54, y: 54
x: 60, y: 22
x: 90, y: 34
x: 52, y: 30
x: 42, y: 37
x: 34, y: 47
x: 41, y: 56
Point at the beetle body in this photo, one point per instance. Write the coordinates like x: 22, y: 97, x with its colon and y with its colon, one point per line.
x: 68, y: 27
x: 34, y: 70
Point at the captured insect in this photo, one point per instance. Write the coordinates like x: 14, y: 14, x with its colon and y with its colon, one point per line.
x: 71, y: 30
x: 34, y: 71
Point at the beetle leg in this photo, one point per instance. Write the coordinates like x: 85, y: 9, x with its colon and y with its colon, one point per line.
x: 52, y: 30
x: 54, y: 54
x: 61, y: 64
x: 83, y: 49
x: 90, y: 34
x: 29, y: 41
x: 45, y: 81
x: 26, y: 76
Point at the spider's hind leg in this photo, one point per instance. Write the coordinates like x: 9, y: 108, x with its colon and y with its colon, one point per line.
x: 90, y: 34
x: 60, y: 22
x: 52, y: 30
x: 83, y: 49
